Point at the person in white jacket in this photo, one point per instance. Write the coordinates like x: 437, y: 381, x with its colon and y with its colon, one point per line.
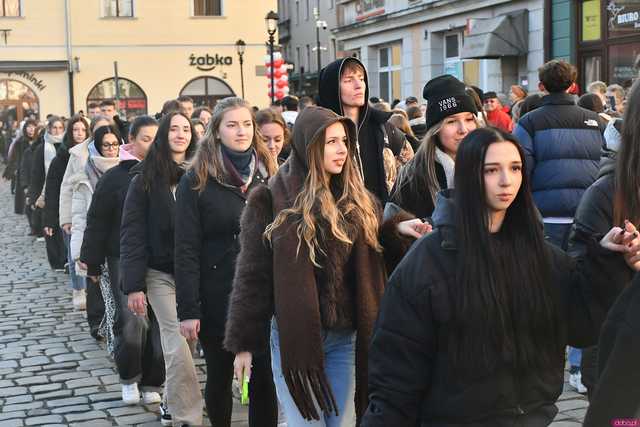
x: 77, y: 160
x: 102, y: 156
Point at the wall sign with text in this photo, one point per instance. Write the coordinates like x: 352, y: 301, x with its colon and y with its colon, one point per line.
x: 209, y: 62
x: 624, y: 17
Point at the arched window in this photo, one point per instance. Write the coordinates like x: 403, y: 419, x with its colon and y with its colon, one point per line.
x: 133, y: 100
x: 17, y: 100
x: 206, y: 91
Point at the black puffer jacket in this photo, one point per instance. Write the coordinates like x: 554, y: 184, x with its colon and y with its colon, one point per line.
x: 102, y: 235
x: 408, y: 362
x: 417, y: 203
x: 207, y: 229
x: 146, y: 232
x: 371, y: 135
x: 37, y: 174
x: 13, y: 172
x: 26, y: 167
x: 617, y: 394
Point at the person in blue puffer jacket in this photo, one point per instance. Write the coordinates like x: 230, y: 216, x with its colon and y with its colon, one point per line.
x: 562, y: 142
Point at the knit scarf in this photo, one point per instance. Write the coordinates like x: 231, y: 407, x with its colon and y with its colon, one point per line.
x: 97, y: 165
x: 297, y: 306
x: 240, y: 167
x: 448, y: 164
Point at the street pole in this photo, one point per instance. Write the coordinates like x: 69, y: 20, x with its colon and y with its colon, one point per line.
x: 319, y: 52
x: 242, y: 74
x: 117, y: 83
x: 273, y: 89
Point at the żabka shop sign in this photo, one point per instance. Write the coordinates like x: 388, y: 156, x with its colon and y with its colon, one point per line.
x: 208, y: 62
x: 29, y: 78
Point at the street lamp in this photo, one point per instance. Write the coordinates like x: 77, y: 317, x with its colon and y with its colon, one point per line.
x: 319, y: 25
x: 240, y: 48
x: 272, y: 26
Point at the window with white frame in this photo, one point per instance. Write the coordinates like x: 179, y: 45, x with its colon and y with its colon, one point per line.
x: 10, y: 8
x: 452, y: 47
x: 117, y: 8
x: 306, y: 10
x: 390, y: 72
x: 207, y: 7
x: 308, y: 67
x: 297, y: 12
x: 299, y: 59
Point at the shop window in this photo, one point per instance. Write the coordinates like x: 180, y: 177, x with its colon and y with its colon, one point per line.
x: 390, y: 72
x: 590, y: 20
x: 591, y: 69
x: 206, y: 91
x: 452, y: 63
x: 17, y: 101
x: 621, y: 60
x: 133, y: 100
x: 11, y: 8
x: 207, y: 7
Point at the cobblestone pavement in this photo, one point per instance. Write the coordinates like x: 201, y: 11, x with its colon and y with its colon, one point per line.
x: 52, y: 372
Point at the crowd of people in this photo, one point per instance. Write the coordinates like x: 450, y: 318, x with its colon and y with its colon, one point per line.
x: 350, y: 262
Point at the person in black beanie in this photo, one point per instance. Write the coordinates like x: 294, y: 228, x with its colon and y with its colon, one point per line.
x: 344, y: 88
x: 451, y: 114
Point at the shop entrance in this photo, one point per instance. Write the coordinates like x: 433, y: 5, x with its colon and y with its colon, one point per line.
x: 17, y: 101
x: 206, y: 91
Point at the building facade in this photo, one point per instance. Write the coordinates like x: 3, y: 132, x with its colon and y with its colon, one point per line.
x: 602, y: 37
x: 301, y: 31
x: 404, y: 43
x: 59, y: 55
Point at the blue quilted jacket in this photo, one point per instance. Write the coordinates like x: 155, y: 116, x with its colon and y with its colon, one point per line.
x: 562, y: 143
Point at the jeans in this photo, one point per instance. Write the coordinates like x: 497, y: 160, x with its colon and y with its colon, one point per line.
x: 575, y: 357
x: 77, y: 282
x: 263, y: 403
x: 137, y: 348
x: 340, y: 369
x: 182, y: 388
x: 558, y: 234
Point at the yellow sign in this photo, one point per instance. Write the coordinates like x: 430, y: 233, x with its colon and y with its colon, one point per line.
x: 590, y: 20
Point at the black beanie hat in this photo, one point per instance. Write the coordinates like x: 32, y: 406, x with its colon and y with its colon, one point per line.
x: 446, y: 96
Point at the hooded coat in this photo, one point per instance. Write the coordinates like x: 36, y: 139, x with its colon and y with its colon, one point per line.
x: 371, y: 132
x: 102, y: 232
x: 408, y: 359
x: 13, y: 171
x: 271, y: 279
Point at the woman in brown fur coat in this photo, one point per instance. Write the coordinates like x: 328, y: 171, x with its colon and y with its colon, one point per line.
x: 310, y: 254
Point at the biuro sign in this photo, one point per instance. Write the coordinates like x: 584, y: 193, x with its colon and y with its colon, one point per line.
x: 208, y: 62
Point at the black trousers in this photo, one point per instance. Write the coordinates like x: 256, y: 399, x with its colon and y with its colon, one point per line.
x: 56, y: 251
x: 263, y: 403
x: 95, y: 306
x: 137, y: 349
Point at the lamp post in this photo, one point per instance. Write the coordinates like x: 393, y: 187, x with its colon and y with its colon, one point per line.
x: 272, y: 26
x: 240, y: 47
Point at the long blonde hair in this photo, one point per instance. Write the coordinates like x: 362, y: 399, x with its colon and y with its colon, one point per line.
x: 207, y: 161
x: 316, y: 201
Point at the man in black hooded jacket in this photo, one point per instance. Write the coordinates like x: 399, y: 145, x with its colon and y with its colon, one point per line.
x: 344, y: 88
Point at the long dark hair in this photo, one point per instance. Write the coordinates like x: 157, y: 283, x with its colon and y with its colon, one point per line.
x: 159, y: 166
x: 67, y: 139
x: 503, y: 304
x: 626, y: 203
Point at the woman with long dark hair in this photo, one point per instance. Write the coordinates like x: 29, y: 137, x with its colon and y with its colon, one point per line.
x: 230, y: 162
x: 475, y: 319
x: 147, y: 260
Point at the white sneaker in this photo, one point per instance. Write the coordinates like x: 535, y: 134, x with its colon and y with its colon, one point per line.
x: 39, y: 239
x: 130, y: 394
x: 150, y: 397
x: 79, y: 299
x: 575, y: 381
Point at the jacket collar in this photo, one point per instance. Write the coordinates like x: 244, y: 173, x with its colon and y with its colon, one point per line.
x: 444, y: 218
x: 561, y: 98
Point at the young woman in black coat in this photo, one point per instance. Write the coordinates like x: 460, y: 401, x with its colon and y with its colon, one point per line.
x: 231, y: 160
x: 12, y: 170
x: 147, y: 259
x: 475, y: 319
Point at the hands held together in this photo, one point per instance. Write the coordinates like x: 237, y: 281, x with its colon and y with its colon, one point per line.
x: 626, y: 241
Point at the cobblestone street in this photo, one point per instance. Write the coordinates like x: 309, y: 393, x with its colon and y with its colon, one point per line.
x: 51, y: 371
